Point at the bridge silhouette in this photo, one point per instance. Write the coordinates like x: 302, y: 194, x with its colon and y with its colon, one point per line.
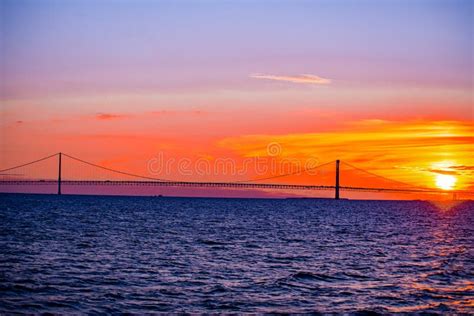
x: 26, y: 175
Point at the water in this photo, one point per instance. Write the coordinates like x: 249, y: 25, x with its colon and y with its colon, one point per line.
x: 110, y: 254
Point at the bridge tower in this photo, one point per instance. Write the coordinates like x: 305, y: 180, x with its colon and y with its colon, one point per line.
x: 59, y: 175
x: 337, y: 179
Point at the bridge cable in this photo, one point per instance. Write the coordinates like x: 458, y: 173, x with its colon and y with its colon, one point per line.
x: 116, y: 171
x: 421, y: 188
x: 29, y: 163
x: 385, y: 178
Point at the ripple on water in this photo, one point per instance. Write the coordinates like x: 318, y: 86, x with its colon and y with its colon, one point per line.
x: 78, y: 254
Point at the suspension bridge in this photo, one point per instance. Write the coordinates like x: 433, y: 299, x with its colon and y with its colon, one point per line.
x: 51, y: 172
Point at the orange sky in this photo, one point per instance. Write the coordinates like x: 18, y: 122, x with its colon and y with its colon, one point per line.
x: 412, y: 151
x: 395, y: 99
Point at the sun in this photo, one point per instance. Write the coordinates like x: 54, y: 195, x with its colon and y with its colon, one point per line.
x: 445, y: 182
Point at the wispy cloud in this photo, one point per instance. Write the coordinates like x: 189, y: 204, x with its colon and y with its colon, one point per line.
x: 386, y: 147
x: 110, y: 116
x: 463, y: 168
x: 441, y: 171
x: 453, y: 170
x: 304, y: 78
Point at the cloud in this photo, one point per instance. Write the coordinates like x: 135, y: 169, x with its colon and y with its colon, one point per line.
x: 453, y: 170
x: 384, y: 148
x: 109, y: 116
x: 116, y: 116
x: 440, y: 171
x: 304, y: 78
x: 463, y: 168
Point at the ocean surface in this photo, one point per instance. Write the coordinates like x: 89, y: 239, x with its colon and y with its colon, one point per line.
x: 86, y: 254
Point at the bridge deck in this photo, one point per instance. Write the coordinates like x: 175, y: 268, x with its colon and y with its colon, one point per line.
x: 217, y: 185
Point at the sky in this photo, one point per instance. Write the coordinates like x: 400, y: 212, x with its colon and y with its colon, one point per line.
x: 384, y: 85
